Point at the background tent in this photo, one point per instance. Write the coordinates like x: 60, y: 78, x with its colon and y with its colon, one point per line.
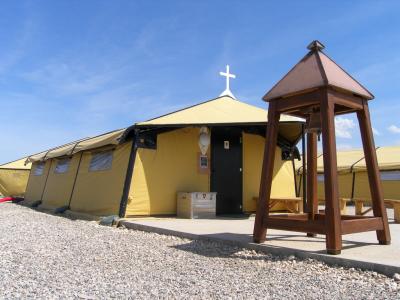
x: 14, y: 177
x: 389, y: 166
x: 353, y: 178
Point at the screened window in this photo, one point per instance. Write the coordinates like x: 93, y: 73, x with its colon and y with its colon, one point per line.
x: 39, y: 169
x: 101, y: 161
x: 62, y: 166
x: 390, y: 175
x: 320, y: 177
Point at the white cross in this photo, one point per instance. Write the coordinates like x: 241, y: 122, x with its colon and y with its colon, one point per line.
x: 228, y: 75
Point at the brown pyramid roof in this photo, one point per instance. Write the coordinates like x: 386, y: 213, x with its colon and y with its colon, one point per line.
x: 315, y: 70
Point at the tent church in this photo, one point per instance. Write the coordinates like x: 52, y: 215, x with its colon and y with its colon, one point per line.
x: 214, y: 146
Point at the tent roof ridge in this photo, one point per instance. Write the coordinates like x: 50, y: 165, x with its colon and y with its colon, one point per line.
x: 189, y: 107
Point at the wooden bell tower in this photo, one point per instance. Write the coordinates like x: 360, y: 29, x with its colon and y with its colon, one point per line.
x: 317, y: 89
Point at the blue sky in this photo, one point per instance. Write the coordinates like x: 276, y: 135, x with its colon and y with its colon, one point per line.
x: 71, y: 69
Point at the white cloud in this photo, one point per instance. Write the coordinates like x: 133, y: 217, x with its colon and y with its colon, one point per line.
x: 344, y: 127
x: 375, y: 131
x: 394, y: 129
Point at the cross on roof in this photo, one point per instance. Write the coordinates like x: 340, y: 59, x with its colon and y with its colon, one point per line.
x: 228, y: 75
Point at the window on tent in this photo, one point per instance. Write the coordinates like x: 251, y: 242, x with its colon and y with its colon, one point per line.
x: 101, y: 161
x: 39, y: 169
x: 390, y: 175
x: 62, y: 165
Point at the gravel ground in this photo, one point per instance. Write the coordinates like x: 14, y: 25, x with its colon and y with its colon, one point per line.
x: 45, y: 256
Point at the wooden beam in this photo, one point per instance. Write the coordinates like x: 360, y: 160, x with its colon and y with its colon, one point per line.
x: 292, y: 103
x: 345, y: 99
x: 312, y: 192
x: 259, y: 232
x: 361, y: 225
x: 332, y: 209
x: 303, y: 217
x: 290, y: 224
x: 303, y: 150
x: 371, y: 161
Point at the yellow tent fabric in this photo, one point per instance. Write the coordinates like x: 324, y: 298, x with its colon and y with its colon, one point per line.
x: 222, y: 110
x: 350, y: 162
x: 36, y: 183
x: 110, y: 138
x: 345, y: 160
x: 388, y: 159
x: 283, y: 177
x: 99, y: 192
x: 391, y: 189
x: 17, y: 165
x: 14, y: 178
x: 13, y: 182
x: 160, y: 174
x: 61, y: 151
x: 95, y: 192
x: 58, y: 190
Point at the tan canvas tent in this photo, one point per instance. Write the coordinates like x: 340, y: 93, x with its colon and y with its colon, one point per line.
x: 85, y: 176
x: 389, y: 166
x: 14, y: 177
x: 140, y: 170
x: 353, y: 178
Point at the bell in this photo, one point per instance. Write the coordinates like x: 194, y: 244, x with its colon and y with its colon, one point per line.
x: 313, y: 123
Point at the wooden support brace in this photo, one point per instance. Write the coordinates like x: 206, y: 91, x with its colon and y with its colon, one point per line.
x: 259, y: 232
x: 332, y: 209
x: 312, y: 197
x: 378, y: 205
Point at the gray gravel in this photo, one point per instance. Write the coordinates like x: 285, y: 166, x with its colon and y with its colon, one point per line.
x: 45, y: 256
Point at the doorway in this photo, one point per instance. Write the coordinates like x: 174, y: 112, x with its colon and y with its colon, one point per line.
x: 226, y: 169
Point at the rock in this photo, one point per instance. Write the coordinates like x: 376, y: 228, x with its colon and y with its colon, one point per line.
x: 53, y: 257
x: 396, y: 277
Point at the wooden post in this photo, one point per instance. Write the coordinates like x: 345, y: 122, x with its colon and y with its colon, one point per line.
x: 378, y: 205
x: 332, y: 210
x: 260, y: 231
x: 303, y: 149
x: 312, y: 197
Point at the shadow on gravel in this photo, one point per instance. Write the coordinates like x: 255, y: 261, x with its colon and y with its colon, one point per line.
x: 222, y: 250
x: 231, y: 245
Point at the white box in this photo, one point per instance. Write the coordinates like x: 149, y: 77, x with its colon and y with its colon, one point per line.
x: 196, y: 205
